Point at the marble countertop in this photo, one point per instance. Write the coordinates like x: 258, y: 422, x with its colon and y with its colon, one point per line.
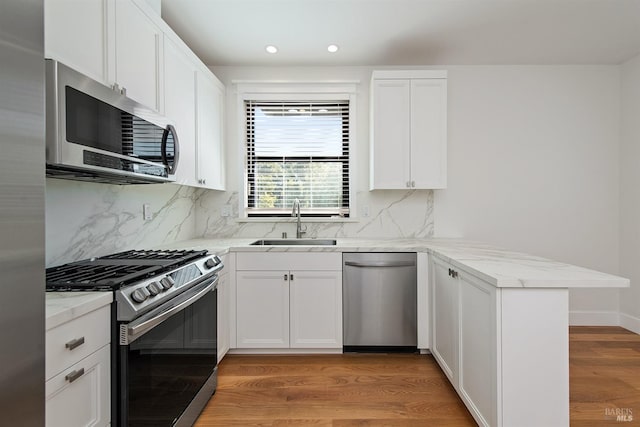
x: 62, y: 307
x: 499, y: 267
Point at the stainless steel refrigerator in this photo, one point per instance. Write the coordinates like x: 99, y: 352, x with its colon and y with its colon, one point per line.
x: 22, y: 186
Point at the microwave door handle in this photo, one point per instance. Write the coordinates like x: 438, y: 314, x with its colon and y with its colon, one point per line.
x: 136, y: 331
x: 170, y: 129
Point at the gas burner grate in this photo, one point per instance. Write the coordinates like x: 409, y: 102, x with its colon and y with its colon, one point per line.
x: 114, y: 271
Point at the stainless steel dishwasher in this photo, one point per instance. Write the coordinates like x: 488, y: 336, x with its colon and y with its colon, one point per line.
x: 379, y: 301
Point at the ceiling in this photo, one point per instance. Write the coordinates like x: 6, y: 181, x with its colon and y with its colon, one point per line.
x: 407, y: 32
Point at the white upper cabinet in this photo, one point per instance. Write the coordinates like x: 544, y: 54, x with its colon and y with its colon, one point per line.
x: 111, y: 41
x: 180, y: 107
x: 210, y: 132
x: 138, y: 47
x: 408, y: 130
x: 194, y: 101
x: 124, y: 45
x: 76, y: 35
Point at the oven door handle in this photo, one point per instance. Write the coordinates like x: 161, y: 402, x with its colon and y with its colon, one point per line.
x: 135, y: 331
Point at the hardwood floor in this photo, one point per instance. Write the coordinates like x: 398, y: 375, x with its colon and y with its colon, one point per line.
x: 409, y: 390
x: 604, y: 376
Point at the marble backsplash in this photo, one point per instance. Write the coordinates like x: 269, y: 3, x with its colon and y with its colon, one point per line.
x: 392, y: 214
x: 84, y: 219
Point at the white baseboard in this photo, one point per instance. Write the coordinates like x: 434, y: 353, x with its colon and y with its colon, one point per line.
x: 594, y: 318
x: 630, y: 322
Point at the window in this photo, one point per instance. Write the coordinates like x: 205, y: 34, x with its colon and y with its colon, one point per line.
x: 297, y: 150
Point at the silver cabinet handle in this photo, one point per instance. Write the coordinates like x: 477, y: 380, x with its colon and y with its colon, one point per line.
x: 74, y: 343
x: 291, y: 277
x: 408, y: 184
x: 74, y: 375
x: 380, y: 264
x: 413, y: 184
x: 286, y: 277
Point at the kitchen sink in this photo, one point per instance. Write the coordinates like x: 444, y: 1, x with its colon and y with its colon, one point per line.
x: 294, y: 242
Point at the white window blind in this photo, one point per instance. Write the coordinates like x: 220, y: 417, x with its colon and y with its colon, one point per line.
x: 297, y: 150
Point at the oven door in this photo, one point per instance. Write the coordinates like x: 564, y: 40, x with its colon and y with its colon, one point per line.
x: 167, y: 367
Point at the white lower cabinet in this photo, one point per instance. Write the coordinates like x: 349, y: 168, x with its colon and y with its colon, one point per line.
x: 79, y: 395
x: 289, y: 308
x: 445, y: 319
x: 464, y: 337
x: 315, y: 304
x: 262, y: 309
x: 505, y: 350
x: 224, y: 301
x: 477, y: 377
x: 78, y: 361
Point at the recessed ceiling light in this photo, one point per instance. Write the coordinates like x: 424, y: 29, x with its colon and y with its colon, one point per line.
x: 333, y: 48
x: 271, y: 49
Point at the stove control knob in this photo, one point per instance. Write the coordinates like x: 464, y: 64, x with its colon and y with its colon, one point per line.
x: 139, y: 295
x: 154, y: 288
x: 167, y: 282
x: 211, y: 262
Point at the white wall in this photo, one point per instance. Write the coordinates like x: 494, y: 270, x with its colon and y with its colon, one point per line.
x: 629, y: 193
x: 392, y: 214
x: 533, y: 166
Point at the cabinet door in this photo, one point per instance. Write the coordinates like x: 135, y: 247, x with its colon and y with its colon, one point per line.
x: 316, y: 309
x: 223, y: 315
x: 138, y: 47
x: 180, y: 107
x: 80, y: 395
x: 445, y: 320
x: 429, y: 133
x: 76, y: 35
x: 209, y: 151
x: 478, y: 362
x: 262, y: 309
x: 390, y: 125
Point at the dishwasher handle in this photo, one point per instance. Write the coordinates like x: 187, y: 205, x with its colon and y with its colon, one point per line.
x: 378, y: 264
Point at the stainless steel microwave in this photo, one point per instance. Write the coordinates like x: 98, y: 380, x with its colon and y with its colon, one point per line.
x: 96, y: 133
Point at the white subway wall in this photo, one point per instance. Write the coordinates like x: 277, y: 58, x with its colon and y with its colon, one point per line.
x: 629, y: 194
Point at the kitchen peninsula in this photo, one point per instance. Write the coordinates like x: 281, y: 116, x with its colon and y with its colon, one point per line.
x: 497, y: 320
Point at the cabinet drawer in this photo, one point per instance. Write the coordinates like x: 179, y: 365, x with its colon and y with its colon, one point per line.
x: 72, y: 341
x: 80, y: 395
x: 264, y: 261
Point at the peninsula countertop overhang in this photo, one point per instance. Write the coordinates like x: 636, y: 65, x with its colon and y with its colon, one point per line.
x: 499, y: 267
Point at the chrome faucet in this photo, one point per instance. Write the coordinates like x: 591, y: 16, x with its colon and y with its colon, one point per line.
x: 299, y: 230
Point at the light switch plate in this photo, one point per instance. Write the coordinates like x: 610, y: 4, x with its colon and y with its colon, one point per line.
x: 226, y: 211
x: 147, y: 215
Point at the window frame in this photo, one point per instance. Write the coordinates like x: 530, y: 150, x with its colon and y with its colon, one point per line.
x: 289, y: 91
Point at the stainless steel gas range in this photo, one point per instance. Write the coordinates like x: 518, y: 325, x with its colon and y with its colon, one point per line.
x: 164, y: 330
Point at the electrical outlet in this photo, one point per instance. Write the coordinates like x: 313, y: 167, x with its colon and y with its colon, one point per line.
x: 365, y: 211
x: 147, y: 215
x: 226, y: 211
